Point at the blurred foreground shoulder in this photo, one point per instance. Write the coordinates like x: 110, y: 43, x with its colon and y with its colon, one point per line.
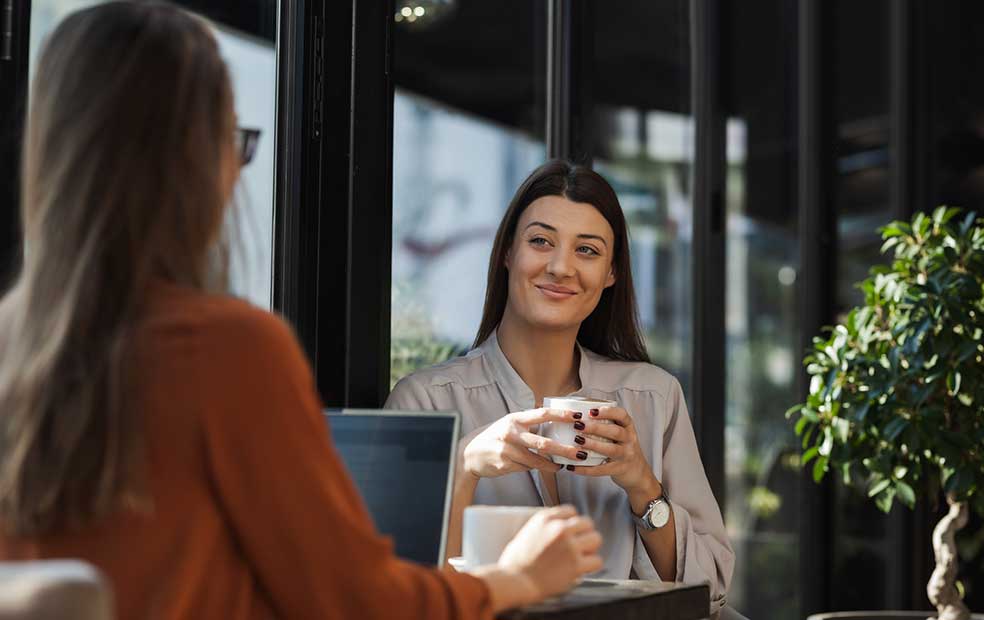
x: 237, y: 334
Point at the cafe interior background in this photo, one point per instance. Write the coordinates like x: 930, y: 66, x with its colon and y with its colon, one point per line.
x: 755, y: 148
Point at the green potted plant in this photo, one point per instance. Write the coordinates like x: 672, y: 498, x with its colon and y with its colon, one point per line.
x: 896, y: 400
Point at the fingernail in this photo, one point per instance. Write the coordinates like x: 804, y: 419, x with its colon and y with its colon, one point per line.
x: 579, y: 426
x: 579, y: 440
x: 581, y: 454
x: 594, y: 412
x: 570, y: 468
x: 577, y: 415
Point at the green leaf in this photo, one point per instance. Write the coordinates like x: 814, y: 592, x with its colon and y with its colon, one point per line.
x: 879, y: 486
x: 861, y: 411
x: 846, y: 473
x: 828, y: 441
x: 884, y: 501
x: 800, y: 425
x: 918, y: 223
x: 892, y: 230
x: 792, y: 410
x: 894, y: 428
x: 967, y: 222
x: 809, y: 455
x: 841, y: 429
x: 906, y: 495
x: 942, y: 215
x: 819, y: 468
x: 953, y: 382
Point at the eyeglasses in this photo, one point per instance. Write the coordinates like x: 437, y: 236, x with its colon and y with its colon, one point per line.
x: 246, y: 141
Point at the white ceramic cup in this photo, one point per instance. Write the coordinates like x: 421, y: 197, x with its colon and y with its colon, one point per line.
x: 486, y: 530
x: 564, y: 433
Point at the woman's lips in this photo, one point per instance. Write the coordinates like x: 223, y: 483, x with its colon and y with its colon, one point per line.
x: 555, y: 292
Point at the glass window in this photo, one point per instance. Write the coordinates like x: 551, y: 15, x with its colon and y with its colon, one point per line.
x: 867, y: 571
x: 641, y: 137
x: 247, y: 39
x: 467, y: 129
x: 955, y: 98
x: 762, y: 473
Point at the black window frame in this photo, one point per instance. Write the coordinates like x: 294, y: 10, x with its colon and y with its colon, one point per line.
x: 15, y: 30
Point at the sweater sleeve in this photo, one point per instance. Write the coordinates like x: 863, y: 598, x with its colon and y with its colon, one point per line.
x: 297, y: 516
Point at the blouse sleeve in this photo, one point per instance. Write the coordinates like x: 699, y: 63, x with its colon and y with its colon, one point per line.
x: 287, y: 496
x: 409, y: 394
x: 703, y: 550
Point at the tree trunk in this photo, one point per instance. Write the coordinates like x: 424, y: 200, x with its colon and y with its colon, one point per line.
x: 942, y: 589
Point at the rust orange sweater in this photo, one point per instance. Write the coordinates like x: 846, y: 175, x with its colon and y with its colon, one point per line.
x: 254, y: 514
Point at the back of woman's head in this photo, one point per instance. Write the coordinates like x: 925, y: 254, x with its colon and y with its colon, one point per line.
x: 129, y: 126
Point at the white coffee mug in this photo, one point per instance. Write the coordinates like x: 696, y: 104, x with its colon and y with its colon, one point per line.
x: 486, y: 530
x: 563, y: 432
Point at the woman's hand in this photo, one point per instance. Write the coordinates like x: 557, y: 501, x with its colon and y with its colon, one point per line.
x: 554, y: 549
x: 627, y: 465
x: 503, y: 447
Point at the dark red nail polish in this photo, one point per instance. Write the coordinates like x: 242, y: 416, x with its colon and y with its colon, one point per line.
x: 579, y: 426
x: 579, y: 440
x: 594, y: 413
x: 577, y: 415
x: 570, y: 468
x: 581, y: 454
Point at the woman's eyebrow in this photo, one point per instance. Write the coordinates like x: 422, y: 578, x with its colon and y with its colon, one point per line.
x: 586, y: 236
x: 553, y: 229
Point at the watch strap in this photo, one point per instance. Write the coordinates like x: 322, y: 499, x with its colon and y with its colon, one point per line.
x: 643, y: 522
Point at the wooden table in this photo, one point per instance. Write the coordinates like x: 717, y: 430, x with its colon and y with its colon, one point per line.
x: 602, y: 599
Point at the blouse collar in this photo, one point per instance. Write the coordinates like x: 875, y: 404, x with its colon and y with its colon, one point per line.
x: 518, y: 394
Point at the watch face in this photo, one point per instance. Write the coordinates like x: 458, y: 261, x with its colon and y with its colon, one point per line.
x: 660, y: 514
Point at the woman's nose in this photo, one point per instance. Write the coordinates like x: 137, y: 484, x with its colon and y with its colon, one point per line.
x: 561, y: 264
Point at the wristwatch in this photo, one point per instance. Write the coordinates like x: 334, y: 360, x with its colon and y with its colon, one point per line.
x: 657, y: 514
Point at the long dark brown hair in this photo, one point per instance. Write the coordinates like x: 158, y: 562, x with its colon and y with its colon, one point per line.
x: 612, y: 328
x: 130, y: 115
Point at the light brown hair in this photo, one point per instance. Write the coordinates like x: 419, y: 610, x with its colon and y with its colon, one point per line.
x: 612, y: 328
x: 130, y: 113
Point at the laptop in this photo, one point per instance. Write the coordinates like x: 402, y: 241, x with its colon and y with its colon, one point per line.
x: 403, y: 464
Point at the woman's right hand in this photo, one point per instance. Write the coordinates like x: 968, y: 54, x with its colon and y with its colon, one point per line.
x: 554, y: 549
x: 503, y: 447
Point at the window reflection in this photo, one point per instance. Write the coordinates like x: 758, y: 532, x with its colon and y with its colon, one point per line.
x: 453, y: 177
x: 867, y: 571
x: 467, y: 129
x: 648, y: 159
x: 762, y: 472
x: 251, y: 58
x: 640, y: 136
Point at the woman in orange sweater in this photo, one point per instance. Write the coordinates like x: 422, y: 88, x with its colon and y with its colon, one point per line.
x: 170, y: 435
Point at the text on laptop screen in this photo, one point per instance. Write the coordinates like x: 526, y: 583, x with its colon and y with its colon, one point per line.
x: 401, y: 467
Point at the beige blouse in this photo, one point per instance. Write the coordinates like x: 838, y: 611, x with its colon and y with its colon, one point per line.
x: 483, y: 386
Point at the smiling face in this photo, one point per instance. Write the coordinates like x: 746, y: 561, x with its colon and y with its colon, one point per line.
x: 559, y: 263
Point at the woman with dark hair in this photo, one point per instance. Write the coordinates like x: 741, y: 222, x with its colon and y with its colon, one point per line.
x: 168, y: 434
x: 560, y: 319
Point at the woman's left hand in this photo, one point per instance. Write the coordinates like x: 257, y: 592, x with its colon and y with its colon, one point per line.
x: 626, y: 464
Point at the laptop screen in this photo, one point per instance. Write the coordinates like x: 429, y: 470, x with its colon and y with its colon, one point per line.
x: 402, y: 464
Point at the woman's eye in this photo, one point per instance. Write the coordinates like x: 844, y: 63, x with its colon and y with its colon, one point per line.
x: 587, y: 249
x: 538, y: 241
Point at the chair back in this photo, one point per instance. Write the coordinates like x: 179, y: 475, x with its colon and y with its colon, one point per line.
x: 49, y: 589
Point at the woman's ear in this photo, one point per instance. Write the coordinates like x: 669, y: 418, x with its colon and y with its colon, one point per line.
x: 610, y: 280
x: 507, y: 259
